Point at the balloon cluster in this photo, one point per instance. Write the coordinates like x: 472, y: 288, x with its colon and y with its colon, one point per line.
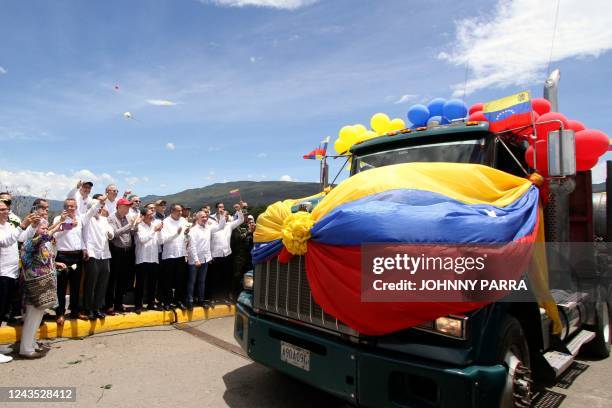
x: 437, y: 112
x: 381, y: 124
x: 590, y: 143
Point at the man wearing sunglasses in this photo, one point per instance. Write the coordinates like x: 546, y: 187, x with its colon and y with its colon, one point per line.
x: 135, y: 208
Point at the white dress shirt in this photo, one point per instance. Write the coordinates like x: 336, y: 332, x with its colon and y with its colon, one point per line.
x: 111, y: 206
x: 9, y: 253
x: 96, y: 228
x: 199, y: 242
x: 69, y: 240
x: 220, y: 245
x: 147, y: 243
x: 81, y: 202
x: 173, y: 241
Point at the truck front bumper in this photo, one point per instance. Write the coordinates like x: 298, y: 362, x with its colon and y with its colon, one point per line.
x: 367, y: 376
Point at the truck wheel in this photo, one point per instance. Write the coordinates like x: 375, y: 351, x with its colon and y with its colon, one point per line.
x: 599, y: 347
x: 513, y: 352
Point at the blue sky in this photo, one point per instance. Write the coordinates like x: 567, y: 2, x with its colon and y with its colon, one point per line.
x: 258, y: 83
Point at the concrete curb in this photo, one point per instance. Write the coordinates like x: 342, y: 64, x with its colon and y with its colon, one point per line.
x: 81, y: 328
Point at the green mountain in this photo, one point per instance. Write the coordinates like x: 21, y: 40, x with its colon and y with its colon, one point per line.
x: 255, y: 193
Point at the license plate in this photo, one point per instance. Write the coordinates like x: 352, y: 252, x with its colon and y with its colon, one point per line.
x: 295, y: 356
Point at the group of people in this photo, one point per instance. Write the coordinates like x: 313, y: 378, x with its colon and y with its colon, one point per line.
x: 103, y: 246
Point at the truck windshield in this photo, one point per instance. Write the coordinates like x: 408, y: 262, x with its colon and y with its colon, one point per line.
x: 478, y: 151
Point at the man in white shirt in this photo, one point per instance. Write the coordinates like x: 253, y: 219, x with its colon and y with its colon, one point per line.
x: 148, y: 238
x: 220, y: 273
x: 111, y: 202
x: 70, y: 251
x: 199, y: 255
x: 96, y: 232
x: 174, y: 267
x: 81, y: 195
x: 9, y: 259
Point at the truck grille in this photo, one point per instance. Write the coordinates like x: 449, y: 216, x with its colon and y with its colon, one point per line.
x: 283, y: 290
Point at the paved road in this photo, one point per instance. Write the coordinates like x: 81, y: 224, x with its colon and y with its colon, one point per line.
x: 167, y: 367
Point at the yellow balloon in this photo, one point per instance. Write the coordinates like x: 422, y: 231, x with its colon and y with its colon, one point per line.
x: 380, y: 123
x: 360, y: 129
x: 370, y: 135
x: 397, y: 124
x: 340, y: 146
x: 348, y: 134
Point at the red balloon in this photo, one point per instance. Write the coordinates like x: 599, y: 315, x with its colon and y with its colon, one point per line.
x: 540, y: 105
x: 590, y: 144
x: 542, y: 129
x: 542, y: 157
x: 476, y: 107
x: 586, y: 164
x: 477, y: 116
x: 575, y: 125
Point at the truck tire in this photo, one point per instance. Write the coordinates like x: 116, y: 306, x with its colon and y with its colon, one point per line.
x: 513, y: 352
x: 599, y: 347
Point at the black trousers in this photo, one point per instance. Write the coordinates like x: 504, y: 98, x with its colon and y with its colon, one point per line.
x: 173, y: 280
x: 145, y: 275
x: 6, y: 288
x: 69, y: 276
x: 120, y: 265
x: 218, y: 278
x: 97, y: 272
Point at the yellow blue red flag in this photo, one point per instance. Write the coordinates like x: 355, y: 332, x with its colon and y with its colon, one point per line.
x: 510, y: 112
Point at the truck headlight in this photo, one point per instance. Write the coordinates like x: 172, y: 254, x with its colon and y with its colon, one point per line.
x: 247, y: 280
x: 451, y: 326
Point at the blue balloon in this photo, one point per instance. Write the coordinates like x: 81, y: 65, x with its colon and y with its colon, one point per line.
x: 444, y: 121
x: 418, y: 115
x: 455, y: 109
x: 435, y: 121
x: 436, y: 106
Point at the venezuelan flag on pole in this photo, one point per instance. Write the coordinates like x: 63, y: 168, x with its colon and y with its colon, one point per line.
x: 510, y: 112
x: 235, y: 193
x: 319, y: 152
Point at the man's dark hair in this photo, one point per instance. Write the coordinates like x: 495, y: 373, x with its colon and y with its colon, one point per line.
x: 173, y: 206
x: 145, y: 210
x: 96, y: 196
x: 5, y: 193
x: 217, y: 204
x: 37, y: 202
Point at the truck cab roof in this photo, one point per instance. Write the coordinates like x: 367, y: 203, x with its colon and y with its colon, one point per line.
x: 438, y: 134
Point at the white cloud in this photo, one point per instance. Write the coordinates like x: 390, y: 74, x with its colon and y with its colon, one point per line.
x: 511, y: 47
x: 170, y: 146
x: 49, y: 184
x: 3, y: 71
x: 262, y: 155
x: 252, y: 59
x: 145, y: 179
x: 286, y: 177
x: 406, y: 98
x: 213, y: 149
x: 277, y: 4
x: 160, y: 102
x: 123, y: 172
x: 132, y: 180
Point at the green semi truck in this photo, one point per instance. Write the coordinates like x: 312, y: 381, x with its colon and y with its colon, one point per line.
x: 497, y: 355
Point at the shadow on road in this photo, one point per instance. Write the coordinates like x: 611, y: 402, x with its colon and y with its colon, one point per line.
x: 254, y: 385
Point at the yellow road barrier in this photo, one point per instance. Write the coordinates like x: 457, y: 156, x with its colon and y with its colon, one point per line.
x: 80, y: 328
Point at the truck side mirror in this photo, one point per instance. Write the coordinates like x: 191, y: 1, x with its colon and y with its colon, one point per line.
x: 561, y: 153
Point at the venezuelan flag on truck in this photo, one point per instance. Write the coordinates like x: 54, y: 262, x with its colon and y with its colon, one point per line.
x: 510, y: 112
x: 319, y: 152
x: 415, y: 203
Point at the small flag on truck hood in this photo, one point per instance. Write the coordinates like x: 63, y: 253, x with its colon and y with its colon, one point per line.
x: 510, y: 112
